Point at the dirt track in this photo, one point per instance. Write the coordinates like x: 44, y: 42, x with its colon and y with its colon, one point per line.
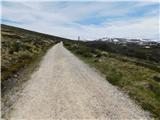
x: 64, y: 87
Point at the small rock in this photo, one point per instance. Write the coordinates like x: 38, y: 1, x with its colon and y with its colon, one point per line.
x: 15, y: 75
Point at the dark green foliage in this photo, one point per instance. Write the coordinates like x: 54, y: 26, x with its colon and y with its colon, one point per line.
x: 156, y: 78
x: 132, y: 50
x: 147, y: 57
x: 114, y: 76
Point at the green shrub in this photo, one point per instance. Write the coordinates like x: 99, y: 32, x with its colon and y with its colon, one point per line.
x: 156, y: 78
x: 114, y: 77
x: 25, y: 55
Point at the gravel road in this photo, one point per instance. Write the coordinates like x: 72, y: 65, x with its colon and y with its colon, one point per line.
x: 66, y: 88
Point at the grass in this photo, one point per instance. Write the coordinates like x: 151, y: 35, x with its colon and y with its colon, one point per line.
x: 141, y: 83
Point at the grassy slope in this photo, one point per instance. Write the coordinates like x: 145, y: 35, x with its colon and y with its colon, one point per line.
x: 138, y: 81
x: 20, y: 48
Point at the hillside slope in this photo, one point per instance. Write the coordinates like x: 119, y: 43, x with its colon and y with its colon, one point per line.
x: 20, y: 48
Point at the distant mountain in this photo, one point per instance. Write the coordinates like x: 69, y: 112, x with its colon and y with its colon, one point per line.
x: 139, y: 41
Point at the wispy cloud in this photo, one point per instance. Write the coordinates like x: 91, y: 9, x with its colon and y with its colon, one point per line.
x: 90, y: 20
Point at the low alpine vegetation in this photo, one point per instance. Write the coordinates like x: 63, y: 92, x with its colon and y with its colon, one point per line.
x: 136, y: 78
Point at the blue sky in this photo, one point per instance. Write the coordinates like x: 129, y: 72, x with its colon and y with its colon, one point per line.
x: 90, y: 20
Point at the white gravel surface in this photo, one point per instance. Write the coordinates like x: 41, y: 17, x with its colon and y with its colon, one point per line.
x: 66, y: 88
